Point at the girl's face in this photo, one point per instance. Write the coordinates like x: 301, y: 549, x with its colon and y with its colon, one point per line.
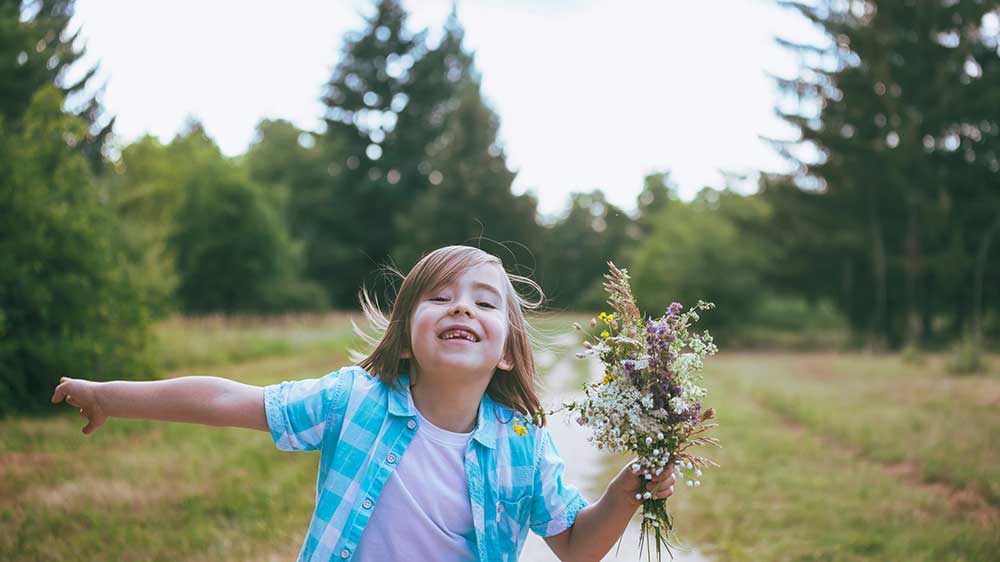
x: 460, y: 329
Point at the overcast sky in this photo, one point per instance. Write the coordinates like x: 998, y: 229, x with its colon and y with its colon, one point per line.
x: 590, y: 94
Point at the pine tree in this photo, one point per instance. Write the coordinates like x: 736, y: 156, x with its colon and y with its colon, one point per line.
x: 902, y: 108
x: 388, y: 106
x: 36, y: 50
x: 470, y: 199
x: 351, y: 228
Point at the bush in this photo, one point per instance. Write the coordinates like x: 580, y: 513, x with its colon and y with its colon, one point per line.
x: 966, y: 358
x: 68, y: 305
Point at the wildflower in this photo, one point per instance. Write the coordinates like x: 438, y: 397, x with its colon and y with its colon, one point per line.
x: 657, y: 401
x: 519, y: 427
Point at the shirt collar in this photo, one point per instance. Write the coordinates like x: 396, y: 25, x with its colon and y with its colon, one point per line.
x: 401, y: 404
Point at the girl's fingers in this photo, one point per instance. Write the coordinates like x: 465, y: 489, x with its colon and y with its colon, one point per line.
x: 665, y: 493
x: 660, y: 482
x: 59, y: 393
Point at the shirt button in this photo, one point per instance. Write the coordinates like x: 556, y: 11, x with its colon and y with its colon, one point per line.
x: 391, y: 458
x: 345, y: 553
x: 411, y: 424
x: 367, y: 504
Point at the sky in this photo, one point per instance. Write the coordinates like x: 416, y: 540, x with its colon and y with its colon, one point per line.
x: 590, y: 94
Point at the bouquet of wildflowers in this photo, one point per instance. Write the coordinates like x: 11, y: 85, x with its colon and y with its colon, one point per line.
x: 649, y: 401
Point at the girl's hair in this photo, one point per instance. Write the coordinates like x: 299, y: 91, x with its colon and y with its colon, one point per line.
x: 514, y: 388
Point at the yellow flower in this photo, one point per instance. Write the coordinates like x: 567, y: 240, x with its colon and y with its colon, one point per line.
x: 520, y: 429
x: 608, y: 378
x: 602, y: 315
x: 605, y: 334
x: 610, y: 317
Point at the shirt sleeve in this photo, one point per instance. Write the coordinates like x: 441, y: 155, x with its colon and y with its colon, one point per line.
x: 299, y: 412
x: 555, y: 504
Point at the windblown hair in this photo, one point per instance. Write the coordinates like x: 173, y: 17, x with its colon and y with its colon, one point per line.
x: 514, y: 388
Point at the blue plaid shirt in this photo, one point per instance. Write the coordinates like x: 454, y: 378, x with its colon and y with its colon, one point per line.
x: 362, y: 427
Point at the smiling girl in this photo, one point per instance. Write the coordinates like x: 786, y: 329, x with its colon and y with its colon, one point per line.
x: 425, y: 449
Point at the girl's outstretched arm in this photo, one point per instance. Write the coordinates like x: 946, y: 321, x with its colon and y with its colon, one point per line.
x: 205, y: 400
x: 599, y: 526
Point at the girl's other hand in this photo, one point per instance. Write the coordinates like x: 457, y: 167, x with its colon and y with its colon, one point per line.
x: 83, y: 395
x: 628, y: 484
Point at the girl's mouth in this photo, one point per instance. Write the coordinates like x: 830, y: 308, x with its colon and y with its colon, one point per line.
x: 459, y: 335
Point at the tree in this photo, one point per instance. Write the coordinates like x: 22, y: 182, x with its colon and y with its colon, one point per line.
x: 698, y: 251
x: 299, y: 166
x: 470, y: 197
x: 37, y: 50
x: 657, y: 192
x: 68, y: 305
x: 233, y: 252
x: 143, y: 188
x: 900, y: 108
x: 353, y: 224
x: 578, y: 246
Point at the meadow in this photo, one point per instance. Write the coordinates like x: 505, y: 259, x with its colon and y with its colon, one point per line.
x: 827, y: 456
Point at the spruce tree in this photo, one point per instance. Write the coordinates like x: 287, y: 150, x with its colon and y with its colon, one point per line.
x: 469, y: 200
x: 37, y: 50
x: 901, y: 107
x: 351, y: 228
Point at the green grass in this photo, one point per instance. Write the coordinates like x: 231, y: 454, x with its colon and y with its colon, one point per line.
x: 846, y: 458
x: 153, y: 491
x: 826, y: 457
x: 186, y: 343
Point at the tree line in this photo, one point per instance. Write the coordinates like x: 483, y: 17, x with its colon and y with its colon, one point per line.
x: 888, y: 220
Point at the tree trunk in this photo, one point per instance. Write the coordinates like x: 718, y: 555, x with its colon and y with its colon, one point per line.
x: 911, y: 271
x: 879, y: 328
x: 980, y: 272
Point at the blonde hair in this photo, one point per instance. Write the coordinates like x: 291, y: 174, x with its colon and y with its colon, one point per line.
x: 515, y: 388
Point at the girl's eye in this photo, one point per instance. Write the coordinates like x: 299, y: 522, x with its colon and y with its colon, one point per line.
x: 438, y: 299
x: 485, y: 304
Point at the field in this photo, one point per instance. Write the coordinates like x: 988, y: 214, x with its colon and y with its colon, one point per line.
x: 826, y: 457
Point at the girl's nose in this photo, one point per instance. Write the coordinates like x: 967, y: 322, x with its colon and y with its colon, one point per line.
x: 460, y: 308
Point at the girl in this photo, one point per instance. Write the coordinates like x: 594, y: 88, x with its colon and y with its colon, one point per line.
x: 425, y: 451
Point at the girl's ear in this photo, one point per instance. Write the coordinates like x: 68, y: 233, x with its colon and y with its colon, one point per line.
x: 505, y: 364
x: 406, y: 354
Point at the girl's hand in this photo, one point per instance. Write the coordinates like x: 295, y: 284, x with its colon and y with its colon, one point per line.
x: 627, y: 484
x: 84, y: 395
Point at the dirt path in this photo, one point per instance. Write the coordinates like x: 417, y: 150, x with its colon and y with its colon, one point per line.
x: 584, y: 463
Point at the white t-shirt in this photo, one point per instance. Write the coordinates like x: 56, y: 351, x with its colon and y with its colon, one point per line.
x: 424, y: 511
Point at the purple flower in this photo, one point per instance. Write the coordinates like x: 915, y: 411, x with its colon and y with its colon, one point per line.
x: 674, y: 309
